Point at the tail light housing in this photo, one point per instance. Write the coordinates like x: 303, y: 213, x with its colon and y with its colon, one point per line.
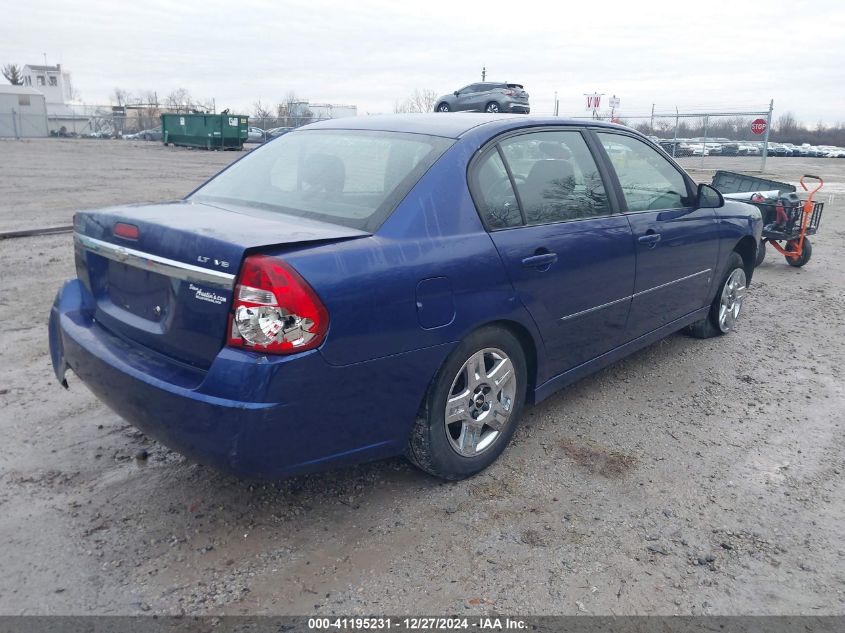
x: 275, y: 311
x: 509, y: 92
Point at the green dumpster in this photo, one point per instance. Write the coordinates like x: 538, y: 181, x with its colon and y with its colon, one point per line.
x: 209, y: 131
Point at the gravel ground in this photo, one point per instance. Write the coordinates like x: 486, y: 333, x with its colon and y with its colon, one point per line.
x: 695, y: 477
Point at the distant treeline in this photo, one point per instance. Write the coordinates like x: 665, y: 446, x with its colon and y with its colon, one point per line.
x: 786, y: 129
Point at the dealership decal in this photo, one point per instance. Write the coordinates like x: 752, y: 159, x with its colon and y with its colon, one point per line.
x: 206, y: 295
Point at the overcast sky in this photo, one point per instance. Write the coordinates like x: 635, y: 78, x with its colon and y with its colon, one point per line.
x: 713, y: 54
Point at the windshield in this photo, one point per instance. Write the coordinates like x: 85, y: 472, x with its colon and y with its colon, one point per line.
x: 350, y: 177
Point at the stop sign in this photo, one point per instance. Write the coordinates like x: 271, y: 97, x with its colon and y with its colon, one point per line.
x: 758, y: 126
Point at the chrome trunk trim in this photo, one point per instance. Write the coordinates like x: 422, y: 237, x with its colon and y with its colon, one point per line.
x: 155, y: 263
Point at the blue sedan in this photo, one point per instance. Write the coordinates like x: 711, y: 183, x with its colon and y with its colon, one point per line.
x: 368, y: 287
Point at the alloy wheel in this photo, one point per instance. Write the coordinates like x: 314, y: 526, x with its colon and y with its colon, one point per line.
x: 733, y: 293
x: 480, y: 402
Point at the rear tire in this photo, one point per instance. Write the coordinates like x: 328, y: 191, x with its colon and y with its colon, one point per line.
x: 481, y: 386
x: 492, y: 108
x: 761, y: 253
x: 806, y: 253
x: 443, y: 107
x: 726, y: 305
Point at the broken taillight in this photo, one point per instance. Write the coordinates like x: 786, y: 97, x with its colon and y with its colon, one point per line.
x: 274, y: 309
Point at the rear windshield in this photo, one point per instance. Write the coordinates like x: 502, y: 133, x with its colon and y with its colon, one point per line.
x: 350, y: 177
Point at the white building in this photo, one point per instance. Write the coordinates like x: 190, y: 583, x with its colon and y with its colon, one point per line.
x: 65, y: 115
x: 50, y: 80
x: 23, y: 112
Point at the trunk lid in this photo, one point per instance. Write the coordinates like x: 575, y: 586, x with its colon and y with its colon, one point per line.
x: 170, y: 290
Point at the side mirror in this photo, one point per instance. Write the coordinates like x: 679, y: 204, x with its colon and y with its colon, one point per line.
x: 456, y: 93
x: 708, y: 197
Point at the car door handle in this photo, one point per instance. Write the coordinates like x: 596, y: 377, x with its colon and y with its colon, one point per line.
x: 650, y: 239
x: 539, y: 261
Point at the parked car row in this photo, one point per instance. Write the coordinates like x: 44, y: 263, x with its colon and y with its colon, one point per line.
x: 807, y: 150
x: 726, y: 147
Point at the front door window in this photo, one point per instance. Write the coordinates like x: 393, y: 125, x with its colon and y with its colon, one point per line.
x: 649, y: 182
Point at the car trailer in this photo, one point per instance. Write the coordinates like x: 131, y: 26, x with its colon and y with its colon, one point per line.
x: 785, y: 217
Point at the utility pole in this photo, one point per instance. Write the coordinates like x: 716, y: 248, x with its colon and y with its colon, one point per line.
x: 556, y: 104
x: 766, y: 138
x: 484, y: 73
x: 675, y: 138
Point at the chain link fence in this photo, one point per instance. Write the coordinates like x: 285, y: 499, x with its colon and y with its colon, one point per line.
x: 271, y: 123
x: 115, y: 125
x: 682, y: 134
x: 18, y: 125
x: 702, y: 134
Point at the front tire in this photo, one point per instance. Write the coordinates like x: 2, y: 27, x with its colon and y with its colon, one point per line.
x: 443, y: 107
x: 472, y: 406
x: 727, y: 304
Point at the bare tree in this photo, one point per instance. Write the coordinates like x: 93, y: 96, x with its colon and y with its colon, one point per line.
x: 204, y: 105
x: 121, y: 97
x: 261, y: 111
x: 293, y: 111
x: 179, y: 100
x: 786, y: 127
x: 149, y: 110
x: 12, y: 72
x: 421, y: 101
x: 662, y: 127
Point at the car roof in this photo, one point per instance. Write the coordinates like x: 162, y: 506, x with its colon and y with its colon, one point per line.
x: 450, y: 125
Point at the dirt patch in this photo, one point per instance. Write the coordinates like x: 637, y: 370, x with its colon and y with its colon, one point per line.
x: 597, y: 459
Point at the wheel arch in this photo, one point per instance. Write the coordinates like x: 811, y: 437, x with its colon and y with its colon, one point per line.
x: 746, y: 247
x: 425, y: 442
x: 529, y: 346
x: 526, y: 341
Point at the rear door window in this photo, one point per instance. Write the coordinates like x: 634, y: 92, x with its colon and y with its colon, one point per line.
x: 556, y: 176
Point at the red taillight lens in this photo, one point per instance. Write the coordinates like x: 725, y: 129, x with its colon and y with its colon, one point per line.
x: 275, y: 310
